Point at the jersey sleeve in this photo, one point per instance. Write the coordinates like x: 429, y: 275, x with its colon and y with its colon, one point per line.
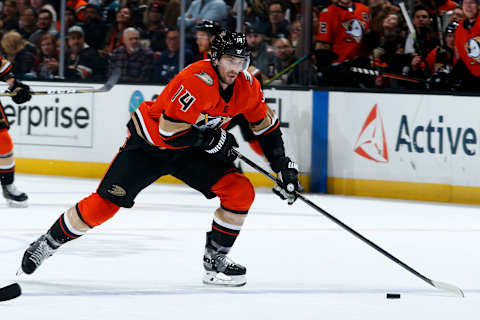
x: 325, y: 26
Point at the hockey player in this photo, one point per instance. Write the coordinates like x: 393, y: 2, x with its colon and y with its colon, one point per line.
x: 181, y: 133
x: 13, y: 196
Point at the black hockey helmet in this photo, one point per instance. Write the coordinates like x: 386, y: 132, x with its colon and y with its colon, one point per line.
x: 451, y: 27
x: 209, y: 26
x: 231, y: 43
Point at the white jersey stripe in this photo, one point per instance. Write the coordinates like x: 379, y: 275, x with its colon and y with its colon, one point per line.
x: 144, y: 127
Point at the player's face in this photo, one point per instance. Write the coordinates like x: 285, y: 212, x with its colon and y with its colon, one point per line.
x: 229, y: 67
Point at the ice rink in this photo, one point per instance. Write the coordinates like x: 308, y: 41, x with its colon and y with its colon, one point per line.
x: 146, y: 262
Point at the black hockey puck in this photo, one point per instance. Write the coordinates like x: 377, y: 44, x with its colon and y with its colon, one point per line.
x: 10, y: 292
x: 393, y: 295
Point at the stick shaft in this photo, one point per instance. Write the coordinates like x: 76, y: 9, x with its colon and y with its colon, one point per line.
x: 290, y: 67
x: 338, y: 222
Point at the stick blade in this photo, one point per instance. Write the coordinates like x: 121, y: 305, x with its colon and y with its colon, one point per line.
x: 448, y: 287
x: 114, y: 77
x: 10, y: 292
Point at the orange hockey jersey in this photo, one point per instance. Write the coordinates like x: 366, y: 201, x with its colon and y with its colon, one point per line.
x: 193, y: 97
x: 467, y: 44
x: 343, y: 29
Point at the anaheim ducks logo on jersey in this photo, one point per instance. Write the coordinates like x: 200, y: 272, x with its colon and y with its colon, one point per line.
x: 212, y: 122
x: 205, y: 77
x: 473, y: 48
x: 354, y: 28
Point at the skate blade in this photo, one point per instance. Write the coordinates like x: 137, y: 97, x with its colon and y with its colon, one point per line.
x: 17, y: 204
x: 221, y: 279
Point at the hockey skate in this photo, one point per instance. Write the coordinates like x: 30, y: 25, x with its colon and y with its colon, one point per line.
x: 14, y: 197
x: 220, y: 270
x: 44, y: 247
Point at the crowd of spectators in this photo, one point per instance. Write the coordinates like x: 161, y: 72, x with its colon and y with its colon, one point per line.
x: 350, y: 39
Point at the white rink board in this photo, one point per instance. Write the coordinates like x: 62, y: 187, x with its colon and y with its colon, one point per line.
x: 443, y: 135
x: 99, y: 129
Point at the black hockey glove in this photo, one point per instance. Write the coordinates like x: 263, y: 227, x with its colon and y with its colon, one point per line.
x: 288, y: 176
x: 22, y: 92
x: 219, y: 143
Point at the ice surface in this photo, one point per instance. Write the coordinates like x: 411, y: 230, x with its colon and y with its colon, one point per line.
x: 146, y: 262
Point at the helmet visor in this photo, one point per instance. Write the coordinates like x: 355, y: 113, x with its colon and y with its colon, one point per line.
x: 239, y: 64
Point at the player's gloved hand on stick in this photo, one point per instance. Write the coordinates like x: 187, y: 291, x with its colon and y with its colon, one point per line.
x: 288, y: 175
x: 219, y: 143
x: 22, y: 92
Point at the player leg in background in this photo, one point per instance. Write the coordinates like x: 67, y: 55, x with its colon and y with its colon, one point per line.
x: 131, y: 171
x: 236, y: 193
x: 14, y: 197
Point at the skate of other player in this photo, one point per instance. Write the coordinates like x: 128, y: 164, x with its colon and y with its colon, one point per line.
x: 182, y: 134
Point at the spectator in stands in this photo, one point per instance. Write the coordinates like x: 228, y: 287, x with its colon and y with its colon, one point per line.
x: 386, y: 46
x: 108, y: 10
x: 425, y: 40
x: 22, y: 5
x: 166, y: 66
x: 28, y: 22
x: 293, y: 11
x: 82, y: 62
x: 138, y: 9
x: 135, y: 61
x: 257, y: 12
x: 262, y: 57
x: 457, y: 15
x: 70, y: 19
x: 20, y: 52
x: 44, y: 26
x: 438, y: 7
x: 153, y: 33
x: 124, y: 20
x: 277, y: 26
x: 79, y: 6
x: 204, y: 35
x: 10, y: 16
x: 284, y: 57
x: 39, y: 5
x: 379, y: 9
x: 467, y: 45
x: 94, y: 27
x: 339, y: 44
x: 172, y: 12
x: 295, y: 32
x: 442, y: 59
x: 46, y: 65
x: 215, y: 10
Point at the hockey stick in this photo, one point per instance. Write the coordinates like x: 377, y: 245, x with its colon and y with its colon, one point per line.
x: 427, y: 82
x: 10, y: 292
x: 387, y: 75
x: 437, y: 284
x: 290, y: 67
x: 114, y: 77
